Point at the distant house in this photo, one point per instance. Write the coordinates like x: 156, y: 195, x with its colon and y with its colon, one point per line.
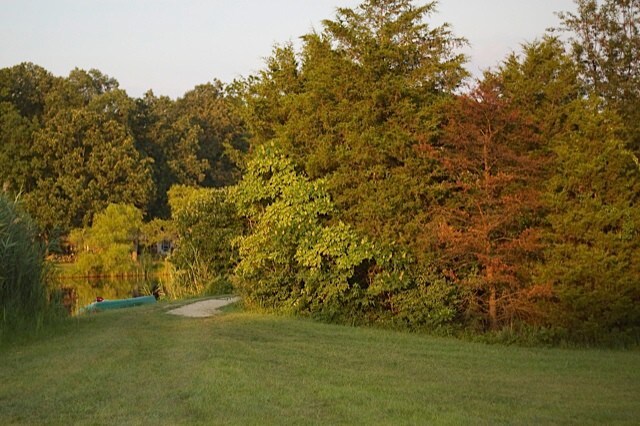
x: 159, y: 237
x: 164, y: 247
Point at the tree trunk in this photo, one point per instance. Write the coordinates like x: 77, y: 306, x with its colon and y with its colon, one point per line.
x: 493, y: 315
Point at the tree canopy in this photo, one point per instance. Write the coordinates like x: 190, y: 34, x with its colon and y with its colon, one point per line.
x: 605, y: 42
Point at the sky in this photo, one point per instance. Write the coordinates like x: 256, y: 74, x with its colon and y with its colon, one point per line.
x: 170, y: 46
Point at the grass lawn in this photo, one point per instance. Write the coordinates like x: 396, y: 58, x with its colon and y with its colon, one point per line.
x: 143, y: 366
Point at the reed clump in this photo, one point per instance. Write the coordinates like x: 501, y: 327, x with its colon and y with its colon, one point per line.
x: 23, y: 271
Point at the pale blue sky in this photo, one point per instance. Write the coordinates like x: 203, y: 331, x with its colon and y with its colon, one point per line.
x: 172, y: 45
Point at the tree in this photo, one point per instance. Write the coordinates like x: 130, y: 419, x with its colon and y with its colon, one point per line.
x: 15, y: 149
x: 541, y: 81
x: 23, y: 92
x: 73, y: 145
x: 211, y: 107
x: 26, y: 86
x: 188, y: 140
x: 267, y: 95
x: 106, y: 247
x: 296, y: 259
x: 290, y: 261
x: 489, y: 227
x: 593, y: 259
x: 205, y: 221
x: 172, y: 143
x: 360, y: 106
x: 605, y: 39
x: 67, y: 145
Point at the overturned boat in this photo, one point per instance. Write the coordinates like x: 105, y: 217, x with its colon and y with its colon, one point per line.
x: 105, y: 305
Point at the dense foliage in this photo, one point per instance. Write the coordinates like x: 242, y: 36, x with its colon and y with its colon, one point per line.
x: 593, y: 253
x: 191, y: 140
x: 516, y: 201
x: 358, y: 106
x: 379, y: 185
x: 110, y: 245
x: 206, y: 223
x: 296, y: 259
x: 74, y: 145
x: 488, y: 228
x: 605, y: 43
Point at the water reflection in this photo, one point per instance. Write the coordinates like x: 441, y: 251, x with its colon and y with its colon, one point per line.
x: 86, y: 290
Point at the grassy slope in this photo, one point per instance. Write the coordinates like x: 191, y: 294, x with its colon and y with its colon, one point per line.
x: 142, y: 366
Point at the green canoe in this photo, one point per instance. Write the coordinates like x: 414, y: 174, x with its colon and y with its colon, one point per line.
x: 117, y: 304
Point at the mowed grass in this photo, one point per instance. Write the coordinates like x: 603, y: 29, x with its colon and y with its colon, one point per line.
x: 142, y: 366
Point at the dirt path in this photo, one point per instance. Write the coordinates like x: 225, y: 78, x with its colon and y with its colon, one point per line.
x: 204, y: 308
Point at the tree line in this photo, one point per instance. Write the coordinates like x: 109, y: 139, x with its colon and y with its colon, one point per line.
x: 73, y: 145
x: 375, y: 183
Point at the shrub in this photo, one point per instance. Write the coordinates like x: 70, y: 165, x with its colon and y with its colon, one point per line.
x: 295, y: 259
x: 203, y: 258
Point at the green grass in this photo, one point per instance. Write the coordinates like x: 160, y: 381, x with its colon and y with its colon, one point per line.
x: 143, y: 366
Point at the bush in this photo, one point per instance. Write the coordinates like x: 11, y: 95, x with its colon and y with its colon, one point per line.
x: 296, y: 259
x: 203, y: 257
x: 428, y: 305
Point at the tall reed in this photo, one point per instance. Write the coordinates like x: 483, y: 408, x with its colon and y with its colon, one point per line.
x: 23, y: 271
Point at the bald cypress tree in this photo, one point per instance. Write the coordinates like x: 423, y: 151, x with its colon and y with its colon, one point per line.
x: 489, y: 227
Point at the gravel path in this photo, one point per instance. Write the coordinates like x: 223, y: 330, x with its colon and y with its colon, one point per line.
x: 204, y: 308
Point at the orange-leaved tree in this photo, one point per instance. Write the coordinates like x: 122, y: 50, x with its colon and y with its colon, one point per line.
x: 488, y: 230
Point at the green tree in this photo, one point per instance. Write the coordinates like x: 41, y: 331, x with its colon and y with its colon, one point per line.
x: 23, y: 91
x: 593, y: 260
x: 295, y: 259
x: 173, y: 144
x: 605, y: 40
x: 67, y: 145
x: 205, y: 222
x: 26, y: 86
x: 16, y: 134
x: 267, y: 96
x: 212, y: 108
x: 360, y: 105
x: 541, y: 82
x: 107, y: 247
x: 188, y: 140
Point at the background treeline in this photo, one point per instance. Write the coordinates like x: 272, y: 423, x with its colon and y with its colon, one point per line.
x: 73, y: 145
x: 378, y: 185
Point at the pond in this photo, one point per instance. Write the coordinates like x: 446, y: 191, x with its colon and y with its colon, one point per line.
x: 81, y: 291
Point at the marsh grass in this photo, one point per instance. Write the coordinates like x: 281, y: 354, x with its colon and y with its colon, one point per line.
x: 142, y: 366
x: 24, y: 305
